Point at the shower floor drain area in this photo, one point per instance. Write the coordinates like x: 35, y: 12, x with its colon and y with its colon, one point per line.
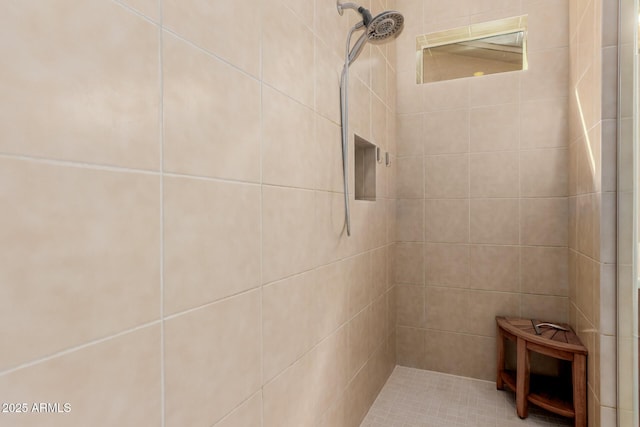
x: 417, y: 398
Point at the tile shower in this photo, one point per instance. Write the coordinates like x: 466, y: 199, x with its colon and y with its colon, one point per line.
x: 173, y: 219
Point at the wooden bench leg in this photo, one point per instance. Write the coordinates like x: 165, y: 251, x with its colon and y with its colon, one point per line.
x: 522, y: 380
x: 500, y: 368
x: 579, y: 368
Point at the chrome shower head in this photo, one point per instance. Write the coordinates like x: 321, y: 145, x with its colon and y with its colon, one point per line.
x: 384, y: 25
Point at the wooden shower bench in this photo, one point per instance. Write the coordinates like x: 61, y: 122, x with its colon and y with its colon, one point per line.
x: 564, y: 398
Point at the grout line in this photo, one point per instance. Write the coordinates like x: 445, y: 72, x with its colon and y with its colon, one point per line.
x: 83, y: 346
x: 162, y: 218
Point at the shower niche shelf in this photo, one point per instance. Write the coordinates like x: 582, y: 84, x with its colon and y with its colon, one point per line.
x: 365, y: 159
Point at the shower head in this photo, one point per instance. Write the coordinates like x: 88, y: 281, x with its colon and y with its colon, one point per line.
x: 384, y: 25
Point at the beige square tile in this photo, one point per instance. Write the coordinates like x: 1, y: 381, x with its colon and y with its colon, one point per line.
x: 446, y: 95
x: 494, y: 174
x: 551, y: 23
x: 149, y: 8
x: 410, y: 306
x: 586, y: 284
x: 544, y: 124
x: 544, y: 271
x: 410, y: 220
x: 69, y: 235
x: 194, y: 144
x: 547, y: 76
x: 409, y: 263
x: 127, y: 366
x: 446, y: 264
x: 88, y: 89
x: 410, y: 178
x: 209, y: 257
x: 247, y: 414
x: 289, y: 148
x: 330, y: 299
x: 494, y: 128
x: 204, y: 379
x: 332, y: 241
x: 359, y: 340
x: 446, y: 177
x: 544, y: 173
x: 446, y: 308
x: 545, y: 308
x: 287, y: 228
x: 409, y: 94
x: 411, y: 135
x: 482, y: 308
x: 302, y: 392
x: 209, y: 26
x: 586, y: 223
x: 358, y: 272
x: 287, y: 322
x: 379, y: 72
x: 494, y: 268
x: 359, y: 396
x: 287, y: 59
x: 494, y: 89
x: 411, y: 349
x: 327, y: 75
x: 494, y: 221
x: 328, y: 150
x: 543, y: 222
x: 446, y: 132
x: 447, y: 221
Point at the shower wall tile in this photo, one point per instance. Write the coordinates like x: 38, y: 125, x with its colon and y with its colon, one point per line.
x: 207, y: 196
x: 494, y: 174
x: 201, y: 249
x: 411, y: 310
x: 288, y: 152
x: 495, y: 268
x: 496, y: 182
x: 547, y: 76
x: 410, y: 178
x: 63, y: 224
x: 494, y: 128
x: 494, y: 89
x: 247, y: 414
x: 209, y: 26
x: 288, y: 220
x: 85, y: 92
x: 287, y: 59
x: 446, y: 265
x: 446, y: 176
x: 127, y: 366
x: 287, y: 322
x: 494, y: 221
x: 446, y: 132
x: 149, y: 8
x: 543, y: 222
x: 410, y: 220
x: 228, y: 147
x: 409, y: 263
x: 228, y: 350
x: 447, y: 221
x: 410, y: 134
x: 544, y: 123
x: 544, y: 173
x: 544, y: 270
x: 449, y: 95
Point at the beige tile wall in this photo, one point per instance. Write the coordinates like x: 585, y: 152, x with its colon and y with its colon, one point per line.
x: 486, y: 234
x: 174, y: 249
x: 593, y: 112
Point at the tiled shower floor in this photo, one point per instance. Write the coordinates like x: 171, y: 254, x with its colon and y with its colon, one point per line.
x: 417, y: 398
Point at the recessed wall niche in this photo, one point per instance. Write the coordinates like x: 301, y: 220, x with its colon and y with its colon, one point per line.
x: 365, y: 169
x: 472, y: 51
